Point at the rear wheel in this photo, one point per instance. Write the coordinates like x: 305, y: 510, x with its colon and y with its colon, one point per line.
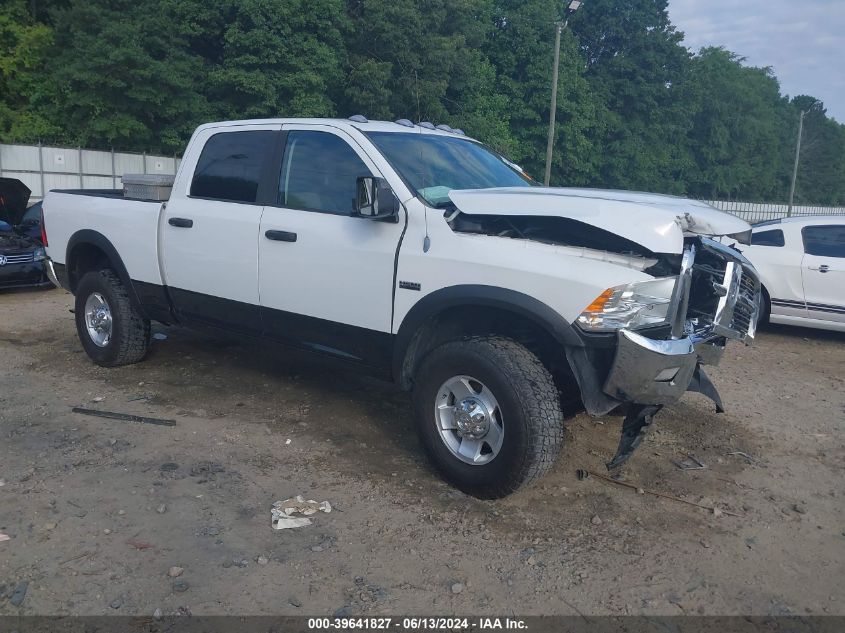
x: 488, y: 414
x: 111, y: 329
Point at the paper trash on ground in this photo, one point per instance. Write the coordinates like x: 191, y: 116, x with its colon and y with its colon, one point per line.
x: 283, y: 511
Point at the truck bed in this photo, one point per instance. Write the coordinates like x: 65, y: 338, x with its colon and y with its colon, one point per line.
x: 130, y: 226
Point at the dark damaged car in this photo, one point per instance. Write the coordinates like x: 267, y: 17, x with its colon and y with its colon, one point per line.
x: 22, y: 257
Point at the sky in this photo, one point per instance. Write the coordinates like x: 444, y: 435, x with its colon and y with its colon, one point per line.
x: 802, y: 40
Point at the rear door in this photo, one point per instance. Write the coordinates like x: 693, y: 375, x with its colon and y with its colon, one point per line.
x: 823, y: 271
x: 210, y: 230
x: 326, y: 277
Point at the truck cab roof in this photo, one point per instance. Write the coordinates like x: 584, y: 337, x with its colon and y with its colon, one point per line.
x: 368, y: 126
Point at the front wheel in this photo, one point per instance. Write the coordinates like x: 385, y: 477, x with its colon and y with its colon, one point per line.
x: 488, y: 414
x: 111, y: 329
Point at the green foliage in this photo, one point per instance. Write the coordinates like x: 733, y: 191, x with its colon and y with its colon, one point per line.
x: 520, y: 50
x: 735, y: 128
x: 24, y: 49
x: 275, y: 57
x: 821, y: 174
x: 121, y: 75
x: 639, y: 73
x: 635, y: 108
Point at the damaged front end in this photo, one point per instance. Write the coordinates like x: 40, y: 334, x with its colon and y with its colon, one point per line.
x: 715, y: 299
x: 643, y: 343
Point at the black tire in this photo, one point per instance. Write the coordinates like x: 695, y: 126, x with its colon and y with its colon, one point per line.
x: 130, y: 336
x: 530, y: 409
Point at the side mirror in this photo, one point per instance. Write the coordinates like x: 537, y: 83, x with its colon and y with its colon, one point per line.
x: 375, y: 200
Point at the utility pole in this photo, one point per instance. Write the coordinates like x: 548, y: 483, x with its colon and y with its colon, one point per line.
x: 795, y: 166
x: 797, y: 158
x: 551, y: 141
x: 572, y: 8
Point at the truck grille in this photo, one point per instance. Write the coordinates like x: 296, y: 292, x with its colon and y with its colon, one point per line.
x: 724, y: 295
x: 23, y: 258
x: 747, y: 305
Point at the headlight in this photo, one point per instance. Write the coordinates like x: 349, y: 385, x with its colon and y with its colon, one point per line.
x: 39, y: 255
x: 633, y: 306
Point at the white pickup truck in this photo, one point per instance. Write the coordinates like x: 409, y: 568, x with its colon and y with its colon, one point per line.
x: 423, y: 256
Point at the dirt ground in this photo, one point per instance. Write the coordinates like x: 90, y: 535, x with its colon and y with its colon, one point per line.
x: 98, y: 511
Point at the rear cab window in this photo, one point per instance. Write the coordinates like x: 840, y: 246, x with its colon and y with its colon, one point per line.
x: 232, y: 164
x: 772, y: 237
x: 824, y: 240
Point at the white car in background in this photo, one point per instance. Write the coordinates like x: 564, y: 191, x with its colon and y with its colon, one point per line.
x: 801, y: 262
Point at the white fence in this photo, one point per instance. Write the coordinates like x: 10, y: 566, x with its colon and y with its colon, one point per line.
x: 759, y: 211
x: 43, y: 168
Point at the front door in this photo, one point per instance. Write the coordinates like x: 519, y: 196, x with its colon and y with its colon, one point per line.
x: 210, y: 230
x: 823, y: 271
x: 325, y: 276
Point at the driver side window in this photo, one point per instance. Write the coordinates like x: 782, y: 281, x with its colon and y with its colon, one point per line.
x: 319, y: 173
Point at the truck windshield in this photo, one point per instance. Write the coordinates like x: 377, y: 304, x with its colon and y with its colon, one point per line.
x: 433, y: 165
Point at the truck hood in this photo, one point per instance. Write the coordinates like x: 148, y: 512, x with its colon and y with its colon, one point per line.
x: 13, y: 198
x: 654, y: 221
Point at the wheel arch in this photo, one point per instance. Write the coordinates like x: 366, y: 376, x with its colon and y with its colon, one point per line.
x: 453, y: 312
x: 89, y: 250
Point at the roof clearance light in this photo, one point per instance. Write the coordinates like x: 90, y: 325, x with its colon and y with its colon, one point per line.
x: 427, y: 125
x: 404, y: 122
x: 358, y: 118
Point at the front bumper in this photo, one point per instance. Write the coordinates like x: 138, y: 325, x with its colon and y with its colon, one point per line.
x: 24, y: 275
x: 716, y: 298
x: 648, y: 371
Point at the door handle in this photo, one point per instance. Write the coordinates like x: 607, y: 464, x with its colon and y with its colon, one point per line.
x: 280, y: 236
x: 824, y: 268
x: 182, y: 223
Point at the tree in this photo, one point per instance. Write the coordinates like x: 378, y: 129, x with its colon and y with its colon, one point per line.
x: 821, y: 172
x: 273, y: 57
x: 635, y: 108
x: 735, y: 135
x: 639, y: 72
x: 24, y: 47
x: 418, y: 60
x: 520, y: 49
x: 121, y: 75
